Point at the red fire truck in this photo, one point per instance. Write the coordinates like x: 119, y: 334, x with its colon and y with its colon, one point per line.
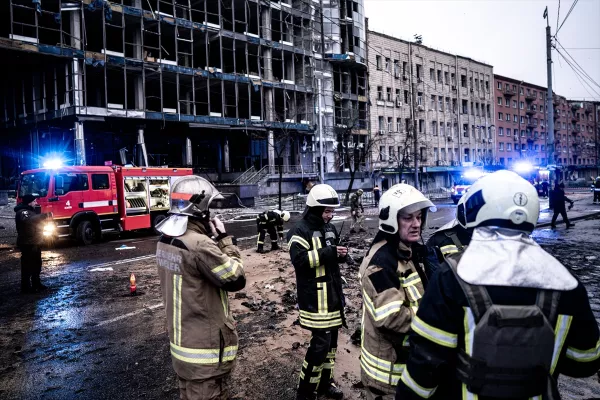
x: 89, y: 202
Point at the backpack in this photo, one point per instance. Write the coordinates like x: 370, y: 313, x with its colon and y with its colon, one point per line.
x: 512, y: 346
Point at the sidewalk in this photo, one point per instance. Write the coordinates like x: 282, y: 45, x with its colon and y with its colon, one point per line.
x: 582, y: 209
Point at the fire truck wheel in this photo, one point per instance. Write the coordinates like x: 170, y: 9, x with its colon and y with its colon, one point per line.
x: 86, y: 234
x: 157, y: 220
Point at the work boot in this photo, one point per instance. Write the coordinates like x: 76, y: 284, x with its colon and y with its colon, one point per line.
x: 570, y: 225
x: 40, y: 287
x: 352, y: 230
x: 362, y: 230
x: 260, y: 250
x: 331, y: 392
x: 552, y: 226
x: 275, y: 246
x: 305, y: 396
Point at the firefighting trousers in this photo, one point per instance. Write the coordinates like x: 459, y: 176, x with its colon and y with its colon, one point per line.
x: 209, y: 389
x: 263, y: 229
x: 357, y: 221
x: 317, y: 368
x: 562, y: 212
x: 31, y: 266
x: 596, y: 195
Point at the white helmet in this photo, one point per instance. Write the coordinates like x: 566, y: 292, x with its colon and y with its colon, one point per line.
x: 360, y: 192
x: 322, y: 195
x: 501, y: 199
x: 285, y: 215
x: 401, y: 197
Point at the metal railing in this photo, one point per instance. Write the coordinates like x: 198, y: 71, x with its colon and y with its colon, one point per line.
x: 294, y: 169
x: 245, y: 175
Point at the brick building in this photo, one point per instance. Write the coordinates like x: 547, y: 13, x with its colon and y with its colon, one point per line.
x: 453, y: 110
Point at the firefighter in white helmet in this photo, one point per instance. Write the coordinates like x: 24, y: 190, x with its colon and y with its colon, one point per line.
x: 198, y: 263
x: 503, y: 318
x: 315, y: 254
x: 393, y: 280
x: 270, y: 222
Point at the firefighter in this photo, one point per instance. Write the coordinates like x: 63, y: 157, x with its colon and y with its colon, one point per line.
x: 29, y: 226
x: 198, y: 264
x: 270, y: 222
x: 449, y: 239
x: 503, y: 318
x: 559, y: 205
x: 376, y: 195
x: 596, y: 189
x: 392, y: 278
x: 315, y: 254
x: 357, y: 216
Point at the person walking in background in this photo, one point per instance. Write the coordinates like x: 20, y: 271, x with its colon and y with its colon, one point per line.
x: 29, y: 240
x: 357, y: 210
x: 559, y: 205
x: 376, y: 195
x: 596, y: 189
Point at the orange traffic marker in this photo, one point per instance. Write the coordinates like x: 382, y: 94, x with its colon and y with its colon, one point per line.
x: 132, y: 285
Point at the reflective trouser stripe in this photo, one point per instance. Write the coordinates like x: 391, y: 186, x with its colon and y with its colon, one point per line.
x: 563, y: 324
x: 415, y: 387
x: 203, y: 356
x: 584, y: 355
x: 177, y: 280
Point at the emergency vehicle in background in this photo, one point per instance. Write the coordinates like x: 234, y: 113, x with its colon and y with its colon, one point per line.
x: 88, y: 202
x: 465, y: 181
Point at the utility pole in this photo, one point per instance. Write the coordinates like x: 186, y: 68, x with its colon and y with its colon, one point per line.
x: 415, y: 140
x: 320, y: 117
x: 549, y: 96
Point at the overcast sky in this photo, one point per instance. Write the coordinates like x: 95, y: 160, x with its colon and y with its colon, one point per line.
x: 508, y: 34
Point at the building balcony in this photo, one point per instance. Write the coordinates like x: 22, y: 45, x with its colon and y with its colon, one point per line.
x: 531, y: 125
x: 530, y: 111
x: 588, y: 108
x: 556, y: 115
x: 509, y: 92
x: 530, y: 97
x: 575, y: 118
x: 575, y: 107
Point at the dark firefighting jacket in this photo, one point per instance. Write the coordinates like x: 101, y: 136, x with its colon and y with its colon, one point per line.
x: 268, y: 219
x: 29, y: 225
x: 392, y: 288
x: 195, y: 275
x: 443, y: 243
x: 313, y: 251
x: 443, y: 328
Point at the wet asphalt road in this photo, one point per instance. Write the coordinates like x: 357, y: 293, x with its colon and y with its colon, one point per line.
x: 86, y: 337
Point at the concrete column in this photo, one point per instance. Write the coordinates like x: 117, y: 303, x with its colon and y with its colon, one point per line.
x: 142, y: 155
x: 138, y: 85
x: 226, y: 165
x: 35, y: 149
x: 271, y: 151
x: 268, y: 63
x: 189, y: 161
x: 79, y: 144
x: 75, y: 24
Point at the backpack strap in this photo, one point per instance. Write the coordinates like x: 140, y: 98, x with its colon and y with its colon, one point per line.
x: 477, y: 295
x: 547, y: 301
x: 454, y: 237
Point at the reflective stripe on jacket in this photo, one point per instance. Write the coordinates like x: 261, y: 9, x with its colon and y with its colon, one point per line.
x: 391, y: 289
x: 445, y: 325
x: 313, y: 251
x: 195, y: 275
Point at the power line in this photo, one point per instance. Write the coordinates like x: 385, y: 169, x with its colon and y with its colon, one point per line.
x: 578, y: 76
x: 580, y: 67
x: 567, y: 16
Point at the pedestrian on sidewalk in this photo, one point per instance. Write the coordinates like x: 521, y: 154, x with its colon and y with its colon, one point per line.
x: 596, y: 188
x: 559, y: 205
x: 315, y: 254
x: 376, y: 195
x: 29, y: 225
x: 545, y: 185
x: 392, y: 277
x: 198, y: 264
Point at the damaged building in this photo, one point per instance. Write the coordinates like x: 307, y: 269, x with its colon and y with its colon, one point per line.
x: 222, y: 86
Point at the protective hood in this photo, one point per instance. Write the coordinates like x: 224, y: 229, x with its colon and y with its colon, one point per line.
x: 175, y: 225
x: 506, y: 257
